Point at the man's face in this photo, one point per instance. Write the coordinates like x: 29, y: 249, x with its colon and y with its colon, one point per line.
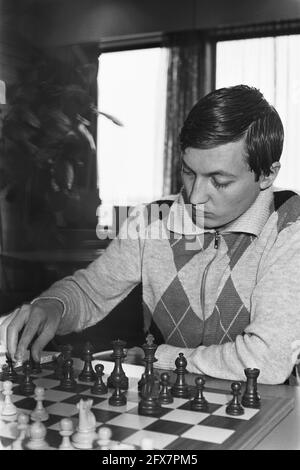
x: 218, y: 184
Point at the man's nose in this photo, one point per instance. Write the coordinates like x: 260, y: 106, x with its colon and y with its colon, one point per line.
x: 199, y: 193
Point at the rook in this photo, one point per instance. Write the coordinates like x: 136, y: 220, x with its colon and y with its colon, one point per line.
x: 251, y: 398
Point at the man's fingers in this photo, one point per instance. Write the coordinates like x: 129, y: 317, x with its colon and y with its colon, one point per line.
x: 43, y: 339
x: 31, y: 328
x: 19, y: 318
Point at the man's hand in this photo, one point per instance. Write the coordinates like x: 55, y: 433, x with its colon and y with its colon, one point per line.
x: 135, y: 356
x: 41, y: 318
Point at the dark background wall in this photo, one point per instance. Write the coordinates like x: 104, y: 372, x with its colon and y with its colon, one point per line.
x: 75, y: 21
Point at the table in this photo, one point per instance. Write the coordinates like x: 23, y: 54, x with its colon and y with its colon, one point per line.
x: 284, y: 436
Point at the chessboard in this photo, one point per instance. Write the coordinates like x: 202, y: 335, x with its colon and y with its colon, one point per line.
x: 176, y: 427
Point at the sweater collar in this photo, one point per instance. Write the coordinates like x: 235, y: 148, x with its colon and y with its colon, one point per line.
x: 252, y: 221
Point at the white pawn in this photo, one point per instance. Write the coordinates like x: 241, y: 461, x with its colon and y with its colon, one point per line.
x: 37, y: 440
x: 104, y: 438
x: 66, y: 430
x: 23, y: 425
x: 39, y: 413
x: 9, y: 411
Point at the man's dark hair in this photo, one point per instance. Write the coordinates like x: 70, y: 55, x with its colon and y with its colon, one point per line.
x: 228, y: 114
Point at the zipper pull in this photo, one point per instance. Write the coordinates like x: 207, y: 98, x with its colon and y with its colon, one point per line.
x: 217, y: 238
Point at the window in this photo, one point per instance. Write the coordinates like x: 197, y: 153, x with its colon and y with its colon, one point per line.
x: 272, y: 65
x: 131, y: 87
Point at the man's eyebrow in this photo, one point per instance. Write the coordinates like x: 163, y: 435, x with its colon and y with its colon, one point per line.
x: 221, y: 173
x: 212, y: 173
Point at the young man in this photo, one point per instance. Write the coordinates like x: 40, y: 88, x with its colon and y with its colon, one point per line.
x: 219, y: 264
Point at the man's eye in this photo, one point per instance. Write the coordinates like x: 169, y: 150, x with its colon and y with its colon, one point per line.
x: 220, y: 185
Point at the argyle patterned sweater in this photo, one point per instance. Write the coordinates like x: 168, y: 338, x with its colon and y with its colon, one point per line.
x: 227, y: 299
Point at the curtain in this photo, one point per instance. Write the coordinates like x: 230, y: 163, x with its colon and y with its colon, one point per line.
x: 191, y: 75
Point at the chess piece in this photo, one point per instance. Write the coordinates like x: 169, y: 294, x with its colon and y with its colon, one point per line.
x: 251, y: 398
x: 68, y: 382
x: 199, y: 403
x: 234, y: 408
x: 23, y: 426
x: 180, y: 388
x: 27, y: 386
x: 99, y: 387
x: 149, y: 349
x: 149, y: 404
x: 39, y: 414
x: 8, y: 371
x: 67, y: 351
x: 61, y: 360
x: 118, y: 355
x: 88, y: 373
x: 35, y: 366
x: 37, y: 432
x: 104, y: 438
x: 59, y: 367
x: 66, y: 431
x: 9, y: 411
x: 85, y: 433
x: 165, y: 397
x: 118, y: 398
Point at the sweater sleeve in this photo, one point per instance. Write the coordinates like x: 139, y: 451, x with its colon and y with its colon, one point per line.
x: 90, y: 294
x: 271, y: 341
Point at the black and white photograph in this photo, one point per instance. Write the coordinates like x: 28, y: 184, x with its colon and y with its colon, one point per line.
x: 149, y: 228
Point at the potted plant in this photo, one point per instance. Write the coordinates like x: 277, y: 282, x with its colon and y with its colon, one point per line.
x: 48, y: 149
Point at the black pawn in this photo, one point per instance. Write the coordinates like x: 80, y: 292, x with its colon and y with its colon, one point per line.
x: 199, y: 403
x: 234, y: 408
x: 180, y: 388
x: 165, y: 396
x: 35, y: 366
x: 68, y: 382
x: 251, y: 398
x: 118, y: 398
x: 27, y: 386
x: 87, y: 374
x: 8, y: 371
x: 99, y: 387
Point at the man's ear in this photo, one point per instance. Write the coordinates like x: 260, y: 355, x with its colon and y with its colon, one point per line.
x: 266, y: 181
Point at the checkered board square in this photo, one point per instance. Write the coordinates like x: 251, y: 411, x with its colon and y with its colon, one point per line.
x: 176, y: 428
